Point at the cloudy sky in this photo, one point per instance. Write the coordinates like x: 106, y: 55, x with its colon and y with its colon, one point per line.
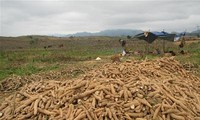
x: 23, y: 17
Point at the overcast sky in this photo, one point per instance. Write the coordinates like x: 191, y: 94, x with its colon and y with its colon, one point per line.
x: 25, y: 17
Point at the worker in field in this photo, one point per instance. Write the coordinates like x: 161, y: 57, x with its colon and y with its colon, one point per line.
x: 123, y: 44
x: 181, y: 45
x: 181, y: 37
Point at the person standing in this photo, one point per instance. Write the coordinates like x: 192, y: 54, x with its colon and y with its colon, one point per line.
x: 123, y: 44
x: 181, y: 45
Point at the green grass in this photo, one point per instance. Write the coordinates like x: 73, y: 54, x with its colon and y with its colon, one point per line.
x: 22, y: 65
x: 192, y: 55
x: 32, y: 61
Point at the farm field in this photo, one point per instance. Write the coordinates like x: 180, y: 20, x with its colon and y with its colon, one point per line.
x: 27, y: 55
x: 50, y: 66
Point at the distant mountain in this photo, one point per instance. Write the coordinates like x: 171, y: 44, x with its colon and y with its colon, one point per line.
x: 194, y: 33
x: 118, y: 32
x: 114, y: 32
x: 82, y: 34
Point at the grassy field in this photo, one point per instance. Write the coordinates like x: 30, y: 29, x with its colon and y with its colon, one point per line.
x: 33, y: 54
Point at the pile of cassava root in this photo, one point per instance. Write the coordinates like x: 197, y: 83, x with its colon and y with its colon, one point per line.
x: 159, y: 89
x: 15, y: 82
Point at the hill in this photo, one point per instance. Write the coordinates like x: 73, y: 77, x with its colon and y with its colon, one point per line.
x: 194, y: 33
x: 111, y: 33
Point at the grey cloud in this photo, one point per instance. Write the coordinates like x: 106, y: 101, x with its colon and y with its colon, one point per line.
x: 20, y: 17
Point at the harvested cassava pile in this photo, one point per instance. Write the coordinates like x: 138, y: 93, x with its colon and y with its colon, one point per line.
x: 194, y: 68
x: 157, y: 89
x: 12, y: 83
x: 15, y: 82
